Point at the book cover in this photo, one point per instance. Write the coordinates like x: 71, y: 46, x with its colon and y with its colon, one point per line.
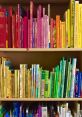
x: 72, y: 18
x: 25, y: 30
x: 58, y: 30
x: 2, y: 28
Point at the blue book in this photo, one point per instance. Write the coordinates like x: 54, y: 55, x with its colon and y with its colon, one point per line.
x: 76, y: 84
x: 79, y: 84
x: 7, y: 114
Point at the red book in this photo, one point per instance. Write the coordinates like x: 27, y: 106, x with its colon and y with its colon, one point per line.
x: 25, y: 32
x: 10, y: 28
x: 2, y: 28
x: 16, y: 42
x: 28, y: 33
x: 19, y: 26
x: 14, y: 31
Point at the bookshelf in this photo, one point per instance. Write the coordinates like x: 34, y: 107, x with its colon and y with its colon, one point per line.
x: 46, y: 57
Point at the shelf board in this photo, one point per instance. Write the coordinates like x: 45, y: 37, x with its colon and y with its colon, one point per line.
x: 14, y: 2
x: 38, y: 49
x: 13, y: 49
x: 40, y: 99
x: 53, y: 49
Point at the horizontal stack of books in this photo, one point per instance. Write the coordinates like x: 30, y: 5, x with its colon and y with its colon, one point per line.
x: 21, y: 110
x: 21, y: 28
x: 65, y: 80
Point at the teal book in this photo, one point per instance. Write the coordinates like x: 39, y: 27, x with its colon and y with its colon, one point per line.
x: 74, y: 61
x: 68, y: 79
x: 65, y: 81
x: 63, y: 76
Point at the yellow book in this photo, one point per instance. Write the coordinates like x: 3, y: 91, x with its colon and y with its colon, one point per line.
x: 80, y: 24
x: 63, y: 35
x: 24, y: 78
x: 9, y: 83
x: 72, y: 18
x: 76, y: 28
x: 29, y: 84
x: 16, y: 83
x: 21, y: 81
x: 68, y: 28
x: 79, y: 28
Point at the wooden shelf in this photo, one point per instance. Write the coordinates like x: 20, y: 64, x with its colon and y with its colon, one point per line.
x: 14, y: 2
x: 53, y: 49
x: 38, y: 49
x: 40, y: 99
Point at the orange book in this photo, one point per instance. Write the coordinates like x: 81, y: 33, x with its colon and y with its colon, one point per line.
x: 60, y: 34
x: 58, y: 31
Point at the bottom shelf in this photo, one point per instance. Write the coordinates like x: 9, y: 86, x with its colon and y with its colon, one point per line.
x: 40, y: 99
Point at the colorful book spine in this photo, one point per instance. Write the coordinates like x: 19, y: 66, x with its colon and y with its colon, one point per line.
x: 2, y: 28
x: 73, y: 77
x: 58, y: 30
x: 72, y: 15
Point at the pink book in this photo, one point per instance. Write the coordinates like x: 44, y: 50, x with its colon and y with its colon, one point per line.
x: 28, y: 33
x: 39, y: 26
x: 44, y: 27
x: 2, y: 28
x: 25, y: 32
x: 31, y: 21
x: 18, y: 20
x: 35, y: 33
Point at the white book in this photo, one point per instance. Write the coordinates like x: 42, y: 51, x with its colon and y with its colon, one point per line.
x: 44, y: 112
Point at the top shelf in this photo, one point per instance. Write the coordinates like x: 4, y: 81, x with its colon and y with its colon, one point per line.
x: 14, y: 2
x: 39, y: 49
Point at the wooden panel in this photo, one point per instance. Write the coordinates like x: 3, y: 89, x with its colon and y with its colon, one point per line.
x: 42, y: 99
x: 35, y: 1
x: 46, y: 59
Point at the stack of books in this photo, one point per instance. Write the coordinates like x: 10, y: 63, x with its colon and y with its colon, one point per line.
x: 65, y: 80
x: 22, y: 28
x: 21, y: 110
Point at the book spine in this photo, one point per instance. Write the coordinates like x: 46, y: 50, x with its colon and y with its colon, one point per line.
x: 13, y: 31
x: 25, y: 30
x: 28, y: 33
x: 68, y: 23
x: 58, y: 30
x: 2, y: 28
x: 76, y: 24
x: 72, y: 16
x: 73, y: 77
x: 31, y: 22
x: 10, y: 28
x: 19, y: 28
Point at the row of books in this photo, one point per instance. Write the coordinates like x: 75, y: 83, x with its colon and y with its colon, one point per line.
x: 65, y: 80
x: 21, y: 110
x: 24, y: 30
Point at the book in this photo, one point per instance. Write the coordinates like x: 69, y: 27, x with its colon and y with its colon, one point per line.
x: 2, y: 28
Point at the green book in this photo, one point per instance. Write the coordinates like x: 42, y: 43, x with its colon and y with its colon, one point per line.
x: 52, y: 78
x: 46, y: 83
x: 1, y: 111
x: 56, y: 81
x: 63, y: 76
